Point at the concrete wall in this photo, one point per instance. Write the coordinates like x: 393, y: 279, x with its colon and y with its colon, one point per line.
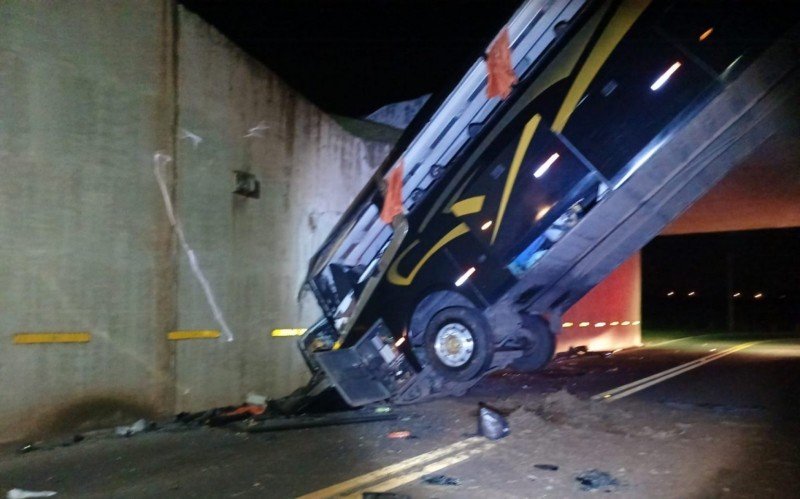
x: 89, y: 91
x: 256, y: 250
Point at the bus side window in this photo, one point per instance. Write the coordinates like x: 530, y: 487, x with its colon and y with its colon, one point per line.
x: 724, y: 34
x: 520, y: 201
x: 643, y: 86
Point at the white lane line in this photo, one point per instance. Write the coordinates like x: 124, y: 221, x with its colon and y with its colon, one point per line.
x: 639, y: 385
x: 362, y: 480
x: 393, y: 483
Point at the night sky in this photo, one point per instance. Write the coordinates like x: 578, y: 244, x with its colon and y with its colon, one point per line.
x: 352, y: 56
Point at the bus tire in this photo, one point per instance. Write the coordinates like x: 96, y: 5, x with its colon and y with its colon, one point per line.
x: 540, y: 346
x: 458, y: 343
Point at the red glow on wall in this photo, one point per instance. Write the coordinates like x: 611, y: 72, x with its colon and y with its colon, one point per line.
x: 609, y: 316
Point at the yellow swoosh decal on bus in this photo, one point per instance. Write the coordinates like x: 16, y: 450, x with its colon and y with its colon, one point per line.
x: 513, y: 170
x: 468, y: 206
x: 623, y: 19
x: 395, y: 278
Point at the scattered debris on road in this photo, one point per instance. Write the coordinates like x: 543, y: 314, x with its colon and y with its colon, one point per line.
x: 383, y: 495
x: 267, y: 423
x: 128, y: 431
x: 256, y: 399
x: 577, y: 351
x: 34, y: 446
x: 25, y: 494
x: 399, y: 435
x: 546, y: 467
x: 441, y: 480
x: 244, y: 411
x: 491, y: 424
x: 597, y: 480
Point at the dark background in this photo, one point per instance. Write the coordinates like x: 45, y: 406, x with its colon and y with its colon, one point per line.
x: 765, y: 261
x: 350, y: 57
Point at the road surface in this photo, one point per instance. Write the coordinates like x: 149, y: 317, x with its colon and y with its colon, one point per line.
x: 724, y: 426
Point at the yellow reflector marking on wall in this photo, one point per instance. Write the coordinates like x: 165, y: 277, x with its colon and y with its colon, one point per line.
x: 192, y: 335
x: 31, y: 338
x: 288, y: 332
x: 567, y: 324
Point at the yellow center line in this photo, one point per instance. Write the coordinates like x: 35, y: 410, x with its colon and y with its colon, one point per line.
x: 373, y: 476
x: 639, y: 385
x: 393, y: 483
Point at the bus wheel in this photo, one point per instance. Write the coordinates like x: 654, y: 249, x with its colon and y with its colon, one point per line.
x: 458, y: 343
x: 540, y: 345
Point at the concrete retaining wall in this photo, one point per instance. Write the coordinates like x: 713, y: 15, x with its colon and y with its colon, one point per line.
x: 89, y: 91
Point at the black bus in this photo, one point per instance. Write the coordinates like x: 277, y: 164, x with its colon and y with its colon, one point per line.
x: 625, y: 113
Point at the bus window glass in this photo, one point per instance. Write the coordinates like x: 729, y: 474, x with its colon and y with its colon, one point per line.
x: 520, y: 201
x: 643, y: 86
x: 721, y: 34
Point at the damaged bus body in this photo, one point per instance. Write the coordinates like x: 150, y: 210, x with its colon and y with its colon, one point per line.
x: 625, y: 113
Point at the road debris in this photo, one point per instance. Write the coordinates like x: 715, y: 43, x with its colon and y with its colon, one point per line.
x: 244, y: 411
x: 35, y: 446
x: 262, y: 424
x: 128, y: 431
x: 399, y: 435
x: 597, y: 480
x: 29, y: 448
x: 546, y: 467
x: 383, y: 495
x: 491, y: 424
x: 25, y: 494
x: 441, y: 480
x: 256, y: 399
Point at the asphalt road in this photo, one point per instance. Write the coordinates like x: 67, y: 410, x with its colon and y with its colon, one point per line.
x: 725, y: 428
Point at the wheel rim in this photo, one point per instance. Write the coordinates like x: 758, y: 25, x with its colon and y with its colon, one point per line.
x: 454, y: 344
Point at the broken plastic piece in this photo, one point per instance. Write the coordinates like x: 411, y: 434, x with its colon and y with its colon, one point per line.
x: 393, y: 198
x: 500, y: 72
x: 28, y: 448
x: 240, y: 413
x: 256, y: 399
x: 491, y: 424
x: 399, y: 435
x: 250, y: 409
x: 127, y: 431
x: 441, y: 480
x: 24, y: 494
x: 596, y: 479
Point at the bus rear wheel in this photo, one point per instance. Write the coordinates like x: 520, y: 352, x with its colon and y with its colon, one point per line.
x: 458, y: 343
x: 540, y: 345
